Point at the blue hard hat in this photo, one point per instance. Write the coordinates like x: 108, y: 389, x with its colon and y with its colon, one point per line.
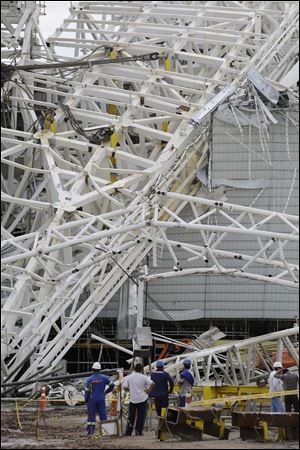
x: 187, y: 362
x: 159, y: 363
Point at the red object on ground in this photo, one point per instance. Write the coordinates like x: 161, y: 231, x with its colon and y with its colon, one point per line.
x: 43, y: 398
x: 113, y: 407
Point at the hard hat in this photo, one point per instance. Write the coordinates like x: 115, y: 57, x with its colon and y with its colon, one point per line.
x: 187, y: 362
x: 96, y: 366
x: 159, y: 363
x: 277, y: 365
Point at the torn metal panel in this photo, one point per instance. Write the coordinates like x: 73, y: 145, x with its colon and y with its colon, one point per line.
x: 238, y: 184
x: 292, y: 77
x: 245, y: 118
x: 219, y: 98
x: 156, y: 314
x: 263, y: 86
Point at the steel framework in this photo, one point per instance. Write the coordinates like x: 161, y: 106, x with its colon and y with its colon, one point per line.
x: 240, y: 362
x: 99, y: 161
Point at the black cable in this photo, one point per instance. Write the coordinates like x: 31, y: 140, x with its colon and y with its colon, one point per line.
x: 170, y: 318
x: 97, y: 138
x: 59, y: 65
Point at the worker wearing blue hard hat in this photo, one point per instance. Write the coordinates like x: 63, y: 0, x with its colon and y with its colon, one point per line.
x: 187, y: 362
x: 164, y: 386
x: 186, y: 381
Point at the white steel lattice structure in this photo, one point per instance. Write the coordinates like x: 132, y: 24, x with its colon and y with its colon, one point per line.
x: 234, y: 363
x: 100, y: 160
x: 241, y: 362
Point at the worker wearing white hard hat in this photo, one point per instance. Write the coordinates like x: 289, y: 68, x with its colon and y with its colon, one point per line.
x: 96, y: 366
x: 276, y: 385
x: 95, y: 396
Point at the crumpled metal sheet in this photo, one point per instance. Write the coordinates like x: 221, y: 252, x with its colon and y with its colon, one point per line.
x: 234, y: 183
x: 263, y: 86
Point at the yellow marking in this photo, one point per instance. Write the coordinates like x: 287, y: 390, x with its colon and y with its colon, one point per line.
x: 281, y: 434
x: 199, y: 424
x: 53, y: 127
x: 163, y: 412
x: 168, y: 65
x: 164, y: 126
x: 163, y: 436
x: 48, y: 121
x: 113, y: 140
x: 264, y: 425
x: 113, y: 178
x: 113, y: 54
x: 112, y: 109
x: 113, y: 160
x: 222, y: 429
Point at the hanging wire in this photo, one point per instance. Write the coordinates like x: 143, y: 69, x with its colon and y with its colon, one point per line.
x: 161, y: 309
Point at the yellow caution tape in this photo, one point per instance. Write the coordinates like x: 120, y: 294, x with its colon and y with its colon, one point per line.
x: 238, y: 398
x: 18, y: 415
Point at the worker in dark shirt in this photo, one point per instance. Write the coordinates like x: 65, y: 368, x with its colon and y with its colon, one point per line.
x: 163, y: 381
x: 290, y: 382
x: 186, y: 382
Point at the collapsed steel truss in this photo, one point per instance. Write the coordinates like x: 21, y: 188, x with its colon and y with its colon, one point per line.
x: 100, y: 161
x: 240, y: 362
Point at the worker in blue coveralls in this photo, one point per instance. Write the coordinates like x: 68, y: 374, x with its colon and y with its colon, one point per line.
x: 186, y: 381
x: 95, y: 396
x: 164, y: 386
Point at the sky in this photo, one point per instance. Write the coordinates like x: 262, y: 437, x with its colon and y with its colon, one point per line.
x: 56, y: 12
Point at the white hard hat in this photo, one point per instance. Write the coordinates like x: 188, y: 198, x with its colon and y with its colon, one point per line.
x: 277, y: 364
x: 96, y: 366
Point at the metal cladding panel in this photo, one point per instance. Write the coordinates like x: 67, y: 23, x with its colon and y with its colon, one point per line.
x: 218, y: 296
x: 222, y: 296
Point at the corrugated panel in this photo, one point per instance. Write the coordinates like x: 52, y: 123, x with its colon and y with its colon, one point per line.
x: 221, y: 296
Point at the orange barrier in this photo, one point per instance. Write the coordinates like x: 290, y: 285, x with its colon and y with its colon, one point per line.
x: 43, y: 398
x: 113, y: 407
x: 286, y: 360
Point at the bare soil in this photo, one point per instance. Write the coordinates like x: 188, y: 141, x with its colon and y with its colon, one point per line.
x: 64, y: 428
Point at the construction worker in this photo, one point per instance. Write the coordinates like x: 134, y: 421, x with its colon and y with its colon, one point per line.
x: 276, y: 385
x: 139, y: 387
x: 290, y: 382
x: 186, y: 381
x: 95, y: 396
x: 164, y: 385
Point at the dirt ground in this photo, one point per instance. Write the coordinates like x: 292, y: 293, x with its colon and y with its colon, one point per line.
x: 64, y: 428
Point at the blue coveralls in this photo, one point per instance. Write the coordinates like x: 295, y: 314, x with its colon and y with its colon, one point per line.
x: 95, y: 398
x: 188, y: 381
x: 160, y: 392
